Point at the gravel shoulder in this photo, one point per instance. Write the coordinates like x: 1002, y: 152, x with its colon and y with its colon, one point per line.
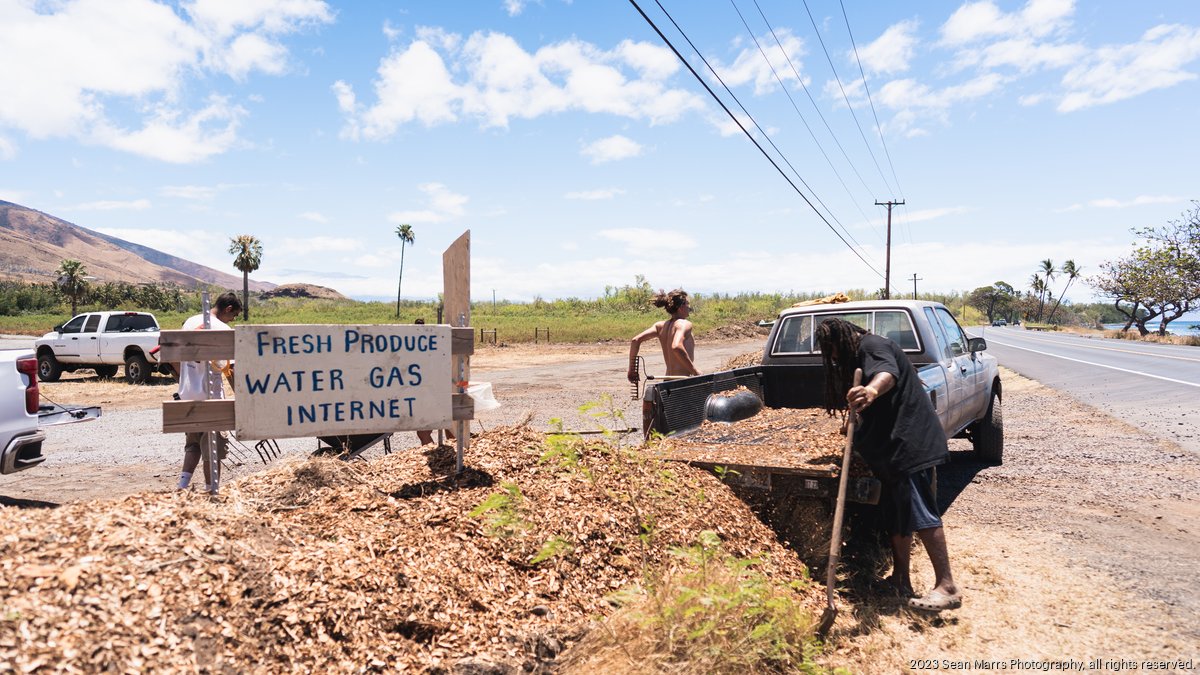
x: 1082, y: 545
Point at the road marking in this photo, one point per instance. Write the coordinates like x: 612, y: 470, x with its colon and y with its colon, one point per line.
x: 1111, y: 349
x: 1101, y: 365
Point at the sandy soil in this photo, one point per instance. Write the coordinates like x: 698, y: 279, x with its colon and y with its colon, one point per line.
x: 1081, y: 546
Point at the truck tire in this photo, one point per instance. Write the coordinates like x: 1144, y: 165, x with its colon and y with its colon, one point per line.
x: 49, y: 369
x: 988, y: 436
x: 137, y: 368
x: 106, y: 372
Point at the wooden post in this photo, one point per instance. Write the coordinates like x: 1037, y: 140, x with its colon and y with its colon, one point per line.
x: 456, y: 294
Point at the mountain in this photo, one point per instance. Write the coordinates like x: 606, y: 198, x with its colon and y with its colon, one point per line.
x: 33, y: 244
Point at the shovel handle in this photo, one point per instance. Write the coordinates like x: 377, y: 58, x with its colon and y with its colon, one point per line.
x: 839, y: 509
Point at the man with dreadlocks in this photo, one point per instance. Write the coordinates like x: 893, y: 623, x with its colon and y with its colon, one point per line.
x: 900, y: 437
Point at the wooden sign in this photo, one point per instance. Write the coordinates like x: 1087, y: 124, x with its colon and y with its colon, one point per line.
x: 294, y: 381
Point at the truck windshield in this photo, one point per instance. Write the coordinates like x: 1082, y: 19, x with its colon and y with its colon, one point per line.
x: 795, y: 334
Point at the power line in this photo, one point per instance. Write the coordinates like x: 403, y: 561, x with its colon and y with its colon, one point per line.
x: 866, y: 88
x: 797, y: 108
x: 844, y: 96
x: 738, y: 122
x: 812, y: 100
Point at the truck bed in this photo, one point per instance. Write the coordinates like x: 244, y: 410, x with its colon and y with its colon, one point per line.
x: 803, y: 441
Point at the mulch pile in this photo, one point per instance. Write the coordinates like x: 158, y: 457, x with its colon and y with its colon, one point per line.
x: 753, y: 358
x: 389, y: 565
x: 736, y: 331
x: 779, y: 437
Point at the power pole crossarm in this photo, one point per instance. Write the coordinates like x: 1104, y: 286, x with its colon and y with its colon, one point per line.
x: 887, y: 275
x: 915, y: 279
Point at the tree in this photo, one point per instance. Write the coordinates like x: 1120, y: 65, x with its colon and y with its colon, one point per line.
x: 1072, y: 271
x: 405, y: 232
x: 247, y: 252
x: 1048, y: 271
x: 1161, y: 278
x: 72, y: 281
x: 995, y: 300
x: 1038, y: 286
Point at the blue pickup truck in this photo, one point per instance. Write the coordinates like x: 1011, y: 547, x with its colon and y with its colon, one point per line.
x: 962, y: 381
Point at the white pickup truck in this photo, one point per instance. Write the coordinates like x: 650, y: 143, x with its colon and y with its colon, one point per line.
x: 101, y: 341
x: 23, y: 418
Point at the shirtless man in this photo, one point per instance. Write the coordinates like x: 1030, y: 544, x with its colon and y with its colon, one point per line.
x: 678, y: 347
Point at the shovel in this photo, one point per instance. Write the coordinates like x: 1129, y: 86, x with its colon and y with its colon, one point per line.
x: 839, y: 512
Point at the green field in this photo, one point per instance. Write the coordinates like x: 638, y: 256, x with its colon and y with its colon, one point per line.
x: 617, y: 317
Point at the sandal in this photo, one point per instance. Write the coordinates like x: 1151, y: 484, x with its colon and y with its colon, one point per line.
x: 936, y: 601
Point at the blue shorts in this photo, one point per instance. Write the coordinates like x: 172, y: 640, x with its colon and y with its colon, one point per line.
x: 914, y: 507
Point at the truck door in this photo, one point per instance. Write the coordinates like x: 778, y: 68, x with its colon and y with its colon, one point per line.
x: 89, y: 340
x: 965, y: 370
x: 66, y: 344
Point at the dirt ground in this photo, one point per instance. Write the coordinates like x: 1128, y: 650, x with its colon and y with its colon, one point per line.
x: 1081, y: 547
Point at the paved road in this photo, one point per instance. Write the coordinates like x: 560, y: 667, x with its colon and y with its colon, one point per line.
x: 1153, y: 386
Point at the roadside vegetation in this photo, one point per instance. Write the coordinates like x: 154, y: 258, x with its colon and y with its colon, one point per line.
x: 621, y: 311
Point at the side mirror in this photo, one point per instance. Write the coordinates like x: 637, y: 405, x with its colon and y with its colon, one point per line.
x: 976, y: 345
x: 58, y: 328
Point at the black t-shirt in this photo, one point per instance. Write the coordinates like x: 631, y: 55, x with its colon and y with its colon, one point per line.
x: 900, y: 431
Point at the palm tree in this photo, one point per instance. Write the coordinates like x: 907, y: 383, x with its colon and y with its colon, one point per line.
x: 1038, y: 286
x: 247, y: 250
x: 1072, y: 271
x: 1048, y: 273
x: 72, y: 280
x: 405, y: 232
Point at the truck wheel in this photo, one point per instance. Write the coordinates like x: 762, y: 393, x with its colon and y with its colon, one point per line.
x: 137, y: 368
x: 106, y: 372
x: 48, y: 368
x: 988, y: 437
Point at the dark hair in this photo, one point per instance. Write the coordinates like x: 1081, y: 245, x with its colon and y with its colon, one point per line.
x: 671, y: 301
x: 420, y: 321
x: 229, y: 301
x: 838, y: 340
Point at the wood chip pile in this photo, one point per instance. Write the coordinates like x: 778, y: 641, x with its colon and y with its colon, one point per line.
x: 796, y: 438
x: 325, y: 566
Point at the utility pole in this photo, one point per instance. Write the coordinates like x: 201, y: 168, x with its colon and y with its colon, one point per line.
x: 915, y: 279
x: 887, y: 275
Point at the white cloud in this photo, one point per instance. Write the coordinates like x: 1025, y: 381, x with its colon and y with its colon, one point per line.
x: 14, y: 196
x: 976, y: 21
x: 372, y: 261
x: 7, y: 149
x: 611, y: 149
x: 204, y: 247
x: 594, y: 195
x: 309, y: 245
x: 112, y: 205
x: 440, y: 78
x: 196, y: 192
x: 119, y: 72
x: 314, y: 217
x: 641, y: 239
x: 750, y: 66
x: 443, y: 205
x: 891, y: 52
x: 514, y: 7
x: 1110, y: 203
x: 1117, y: 73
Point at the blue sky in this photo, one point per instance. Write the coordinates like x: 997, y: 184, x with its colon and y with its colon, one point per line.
x: 580, y: 152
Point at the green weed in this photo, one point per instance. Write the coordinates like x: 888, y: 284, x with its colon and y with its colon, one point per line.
x: 501, y: 512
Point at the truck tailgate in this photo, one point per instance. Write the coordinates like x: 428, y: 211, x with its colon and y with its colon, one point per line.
x: 53, y: 414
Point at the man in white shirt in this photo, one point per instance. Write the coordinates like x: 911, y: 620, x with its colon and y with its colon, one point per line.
x: 195, y: 384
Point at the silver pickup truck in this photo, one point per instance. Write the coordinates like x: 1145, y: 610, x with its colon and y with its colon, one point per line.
x: 962, y: 382
x: 101, y: 341
x: 23, y: 417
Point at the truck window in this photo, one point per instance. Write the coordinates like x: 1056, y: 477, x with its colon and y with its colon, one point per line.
x: 938, y: 333
x: 897, y: 327
x: 74, y: 325
x: 93, y: 322
x: 795, y: 336
x: 125, y: 323
x: 860, y: 319
x: 954, y: 334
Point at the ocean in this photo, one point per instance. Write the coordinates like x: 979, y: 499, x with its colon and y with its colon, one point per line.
x: 1177, y: 327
